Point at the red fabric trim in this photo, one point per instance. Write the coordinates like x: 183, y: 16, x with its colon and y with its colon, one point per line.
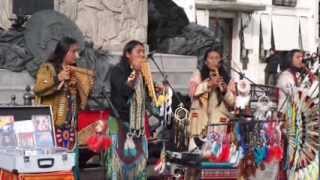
x: 220, y: 173
x: 85, y: 118
x: 147, y: 127
x: 88, y: 117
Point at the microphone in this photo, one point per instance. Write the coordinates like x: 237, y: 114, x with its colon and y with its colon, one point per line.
x: 310, y: 58
x: 151, y: 53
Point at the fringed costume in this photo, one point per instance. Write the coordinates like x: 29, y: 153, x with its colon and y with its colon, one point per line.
x: 207, y: 110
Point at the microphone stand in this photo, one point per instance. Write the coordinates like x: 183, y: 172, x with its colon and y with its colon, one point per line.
x: 243, y: 76
x: 113, y: 109
x: 165, y: 80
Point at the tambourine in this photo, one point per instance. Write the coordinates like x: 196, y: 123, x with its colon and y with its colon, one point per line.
x: 243, y: 87
x: 264, y: 103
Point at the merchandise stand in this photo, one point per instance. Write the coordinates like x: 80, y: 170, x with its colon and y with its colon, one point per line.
x: 28, y: 146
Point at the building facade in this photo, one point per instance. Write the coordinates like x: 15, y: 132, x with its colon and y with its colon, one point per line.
x: 252, y: 27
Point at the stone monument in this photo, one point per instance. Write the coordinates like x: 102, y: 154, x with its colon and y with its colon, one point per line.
x: 108, y: 23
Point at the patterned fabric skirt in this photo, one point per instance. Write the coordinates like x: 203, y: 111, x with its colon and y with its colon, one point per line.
x: 119, y: 164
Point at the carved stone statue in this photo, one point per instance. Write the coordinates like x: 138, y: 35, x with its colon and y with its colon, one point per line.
x: 170, y: 31
x: 45, y: 28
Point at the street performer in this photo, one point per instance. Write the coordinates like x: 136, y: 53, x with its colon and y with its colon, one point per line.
x: 65, y: 87
x: 132, y: 89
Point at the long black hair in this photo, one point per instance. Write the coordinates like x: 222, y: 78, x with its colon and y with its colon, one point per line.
x: 128, y: 49
x: 205, y: 71
x: 287, y: 63
x: 61, y: 50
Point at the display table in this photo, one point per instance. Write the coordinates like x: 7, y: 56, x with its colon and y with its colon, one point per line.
x: 6, y: 175
x: 214, y: 172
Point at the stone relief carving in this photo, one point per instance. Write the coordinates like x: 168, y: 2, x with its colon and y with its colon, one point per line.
x: 113, y: 5
x: 67, y: 7
x: 108, y: 23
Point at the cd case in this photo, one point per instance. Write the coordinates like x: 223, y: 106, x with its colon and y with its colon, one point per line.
x: 7, y: 134
x: 24, y: 126
x: 27, y: 141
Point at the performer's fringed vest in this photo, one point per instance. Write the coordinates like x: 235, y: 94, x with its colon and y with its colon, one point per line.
x: 64, y: 102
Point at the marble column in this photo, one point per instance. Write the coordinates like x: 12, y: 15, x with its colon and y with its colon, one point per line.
x: 5, y: 13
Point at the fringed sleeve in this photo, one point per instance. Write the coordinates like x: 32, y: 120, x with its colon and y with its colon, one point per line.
x: 46, y: 81
x: 196, y: 87
x: 230, y: 95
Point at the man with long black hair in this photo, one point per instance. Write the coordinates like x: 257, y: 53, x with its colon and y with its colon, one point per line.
x: 289, y: 79
x: 57, y: 86
x: 288, y: 83
x: 128, y: 157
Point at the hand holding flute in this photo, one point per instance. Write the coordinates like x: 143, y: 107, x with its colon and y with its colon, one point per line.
x: 64, y: 75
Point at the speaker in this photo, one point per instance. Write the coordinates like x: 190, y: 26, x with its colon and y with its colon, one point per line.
x: 28, y: 7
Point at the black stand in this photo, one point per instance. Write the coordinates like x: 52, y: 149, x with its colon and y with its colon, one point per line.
x: 115, y: 112
x: 243, y: 76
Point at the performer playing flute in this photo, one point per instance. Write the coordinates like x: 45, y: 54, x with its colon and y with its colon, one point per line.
x: 59, y: 85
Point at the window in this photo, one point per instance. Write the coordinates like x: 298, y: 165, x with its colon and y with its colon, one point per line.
x: 288, y: 3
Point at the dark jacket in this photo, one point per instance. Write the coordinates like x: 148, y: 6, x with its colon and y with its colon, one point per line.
x: 120, y: 91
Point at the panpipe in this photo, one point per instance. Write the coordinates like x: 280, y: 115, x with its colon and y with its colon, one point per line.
x: 85, y: 82
x: 147, y: 76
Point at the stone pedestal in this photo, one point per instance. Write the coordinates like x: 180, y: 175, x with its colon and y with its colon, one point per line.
x: 12, y: 83
x: 178, y: 68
